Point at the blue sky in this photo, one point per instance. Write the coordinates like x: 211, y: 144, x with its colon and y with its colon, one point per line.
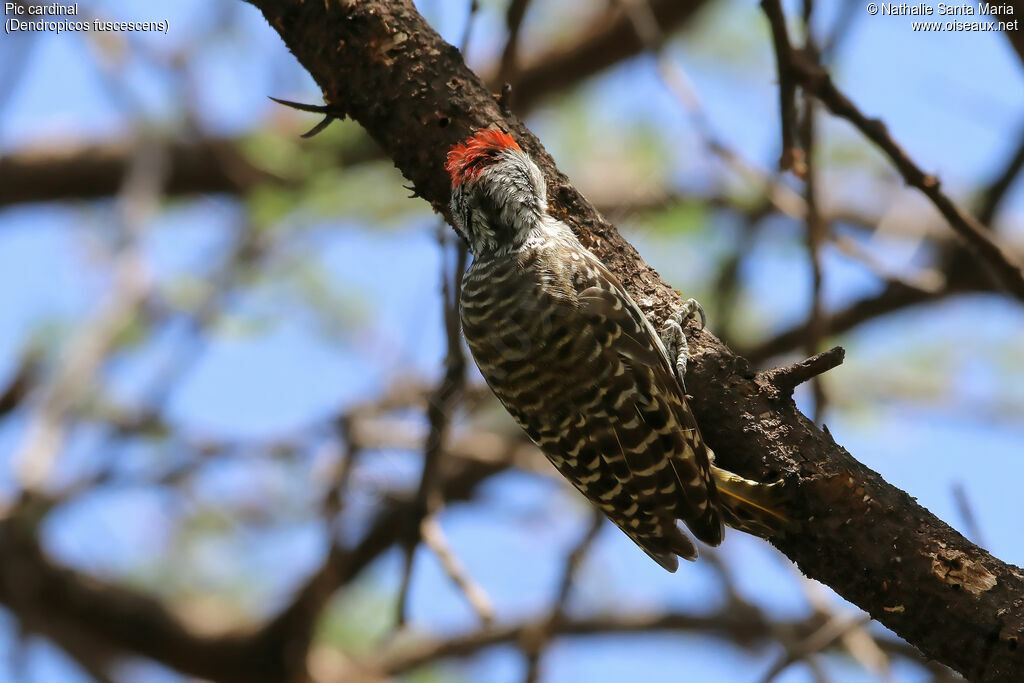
x: 955, y: 101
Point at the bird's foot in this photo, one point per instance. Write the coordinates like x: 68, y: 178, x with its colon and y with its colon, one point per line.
x: 674, y: 339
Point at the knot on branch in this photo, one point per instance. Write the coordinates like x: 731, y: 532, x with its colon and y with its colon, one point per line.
x: 780, y: 382
x: 504, y: 98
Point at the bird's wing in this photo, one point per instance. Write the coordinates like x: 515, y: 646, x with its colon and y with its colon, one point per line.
x: 645, y: 409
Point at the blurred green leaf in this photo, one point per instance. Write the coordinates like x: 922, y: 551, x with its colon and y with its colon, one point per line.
x: 677, y: 219
x: 358, y: 618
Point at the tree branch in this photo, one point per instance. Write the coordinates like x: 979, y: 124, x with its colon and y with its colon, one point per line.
x: 81, y: 613
x: 389, y: 70
x: 787, y: 88
x: 742, y: 625
x: 799, y: 67
x: 607, y: 41
x: 440, y: 409
x: 963, y: 274
x: 212, y: 165
x: 786, y: 378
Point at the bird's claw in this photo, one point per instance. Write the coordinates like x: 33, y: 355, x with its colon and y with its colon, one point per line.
x: 674, y: 339
x: 690, y: 308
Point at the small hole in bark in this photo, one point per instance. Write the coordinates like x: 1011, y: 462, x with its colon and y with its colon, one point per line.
x: 1012, y: 643
x: 444, y: 121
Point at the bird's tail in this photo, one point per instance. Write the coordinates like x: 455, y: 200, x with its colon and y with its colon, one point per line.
x: 751, y: 506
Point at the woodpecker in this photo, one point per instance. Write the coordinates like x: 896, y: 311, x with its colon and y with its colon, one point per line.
x: 580, y: 368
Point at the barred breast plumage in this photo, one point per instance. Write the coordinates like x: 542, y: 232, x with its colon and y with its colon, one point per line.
x: 577, y: 365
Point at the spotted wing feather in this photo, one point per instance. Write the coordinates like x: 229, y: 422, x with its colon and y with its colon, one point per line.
x: 665, y: 448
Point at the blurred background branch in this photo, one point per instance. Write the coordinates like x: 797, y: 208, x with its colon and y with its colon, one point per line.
x: 245, y: 345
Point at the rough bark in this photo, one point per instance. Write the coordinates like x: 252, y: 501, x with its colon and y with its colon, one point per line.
x: 383, y: 65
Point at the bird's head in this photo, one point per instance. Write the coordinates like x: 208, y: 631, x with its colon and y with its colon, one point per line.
x: 498, y: 193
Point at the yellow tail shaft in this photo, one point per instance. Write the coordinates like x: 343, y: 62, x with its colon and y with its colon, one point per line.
x: 751, y: 506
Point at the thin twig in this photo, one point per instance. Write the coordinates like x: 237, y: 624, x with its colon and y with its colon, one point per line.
x: 440, y: 406
x: 845, y: 20
x: 927, y: 279
x: 334, y: 501
x: 645, y: 23
x: 859, y: 641
x: 787, y: 87
x: 145, y: 418
x: 816, y: 81
x: 993, y: 196
x: 88, y: 348
x: 20, y: 384
x: 786, y: 378
x: 439, y: 410
x: 734, y: 600
x: 727, y: 281
x: 966, y: 510
x: 960, y: 273
x: 817, y: 642
x: 514, y: 16
x: 467, y: 31
x: 433, y: 538
x: 815, y: 227
x: 575, y: 560
x: 538, y: 639
x: 743, y: 627
x: 815, y: 230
